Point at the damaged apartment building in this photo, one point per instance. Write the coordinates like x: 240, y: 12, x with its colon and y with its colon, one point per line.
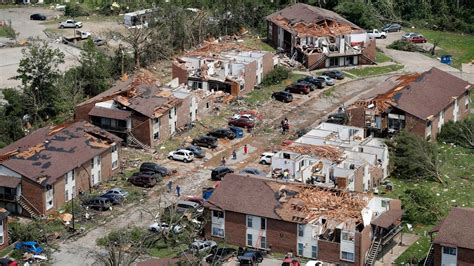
x: 319, y: 223
x: 143, y: 112
x: 420, y: 103
x: 223, y: 66
x: 335, y: 156
x: 42, y: 171
x: 319, y: 38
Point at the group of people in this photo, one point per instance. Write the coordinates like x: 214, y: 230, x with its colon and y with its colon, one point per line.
x: 234, y: 154
x: 285, y: 126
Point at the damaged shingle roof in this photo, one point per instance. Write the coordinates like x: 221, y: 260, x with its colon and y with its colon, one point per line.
x: 457, y: 229
x: 50, y: 152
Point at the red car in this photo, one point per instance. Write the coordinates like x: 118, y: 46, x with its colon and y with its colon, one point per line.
x: 417, y: 39
x: 290, y: 262
x: 8, y: 262
x: 298, y: 88
x: 242, y: 122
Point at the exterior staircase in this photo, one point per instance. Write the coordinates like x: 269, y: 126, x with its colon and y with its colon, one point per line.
x: 368, y: 59
x: 373, y: 252
x: 29, y: 208
x: 429, y: 258
x: 132, y: 139
x: 317, y: 63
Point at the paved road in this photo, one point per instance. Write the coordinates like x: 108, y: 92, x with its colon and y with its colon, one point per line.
x: 26, y: 28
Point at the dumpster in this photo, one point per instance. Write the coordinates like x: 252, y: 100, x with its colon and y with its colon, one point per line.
x: 446, y: 59
x: 239, y: 132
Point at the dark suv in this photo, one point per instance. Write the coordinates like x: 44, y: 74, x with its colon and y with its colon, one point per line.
x: 219, y: 172
x: 313, y: 81
x: 98, y: 203
x: 205, y: 141
x: 298, y: 88
x: 282, y: 96
x: 154, y: 167
x: 334, y: 74
x: 250, y: 257
x: 222, y: 133
x: 143, y: 180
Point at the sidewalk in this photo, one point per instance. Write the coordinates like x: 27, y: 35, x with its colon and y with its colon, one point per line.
x: 392, y: 255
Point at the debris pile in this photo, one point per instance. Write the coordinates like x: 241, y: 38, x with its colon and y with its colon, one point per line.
x: 323, y: 151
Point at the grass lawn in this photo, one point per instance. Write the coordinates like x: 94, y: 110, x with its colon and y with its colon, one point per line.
x: 460, y: 46
x: 258, y: 44
x: 380, y: 57
x: 163, y: 251
x: 458, y: 170
x: 7, y: 31
x: 371, y: 71
x: 262, y: 95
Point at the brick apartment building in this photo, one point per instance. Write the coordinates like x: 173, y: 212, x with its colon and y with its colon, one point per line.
x: 453, y: 242
x: 319, y: 38
x: 140, y: 109
x: 42, y: 171
x: 313, y: 222
x: 223, y: 66
x: 420, y: 103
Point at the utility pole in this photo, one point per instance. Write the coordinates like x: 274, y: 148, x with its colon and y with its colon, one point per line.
x: 73, y: 217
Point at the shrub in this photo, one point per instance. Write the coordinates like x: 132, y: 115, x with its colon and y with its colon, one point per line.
x: 460, y: 133
x: 75, y: 10
x: 277, y: 75
x: 404, y: 46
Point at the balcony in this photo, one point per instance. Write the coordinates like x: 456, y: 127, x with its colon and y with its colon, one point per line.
x: 119, y: 129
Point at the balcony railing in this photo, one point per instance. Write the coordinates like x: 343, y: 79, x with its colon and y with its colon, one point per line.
x: 7, y: 197
x: 112, y: 128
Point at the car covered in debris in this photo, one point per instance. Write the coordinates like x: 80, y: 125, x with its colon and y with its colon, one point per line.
x: 200, y: 246
x: 251, y: 171
x: 70, y: 23
x: 29, y: 246
x: 143, y: 179
x: 282, y: 96
x: 220, y: 255
x: 205, y: 141
x: 184, y: 206
x: 337, y: 118
x: 165, y: 228
x: 222, y: 133
x: 115, y: 199
x: 154, y: 167
x: 181, y: 155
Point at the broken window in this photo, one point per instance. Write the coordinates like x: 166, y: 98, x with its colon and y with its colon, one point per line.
x: 156, y: 136
x: 263, y: 223
x: 218, y: 214
x: 347, y: 256
x: 347, y: 236
x: 300, y: 230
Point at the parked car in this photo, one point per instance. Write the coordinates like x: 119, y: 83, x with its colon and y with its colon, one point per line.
x: 298, y: 88
x: 250, y: 257
x: 242, y: 122
x: 334, y: 74
x: 197, y: 151
x: 99, y: 41
x: 154, y: 167
x: 181, y: 155
x: 70, y: 23
x: 337, y: 118
x: 247, y: 116
x: 205, y: 141
x: 327, y: 80
x: 37, y: 17
x: 375, y: 33
x: 8, y: 262
x: 202, y: 246
x: 314, y: 263
x: 251, y: 171
x: 143, y: 179
x: 222, y: 133
x: 157, y: 176
x: 117, y: 191
x: 417, y: 39
x: 219, y: 172
x: 98, y: 203
x: 184, y: 206
x: 311, y: 86
x: 408, y: 35
x: 266, y: 158
x: 290, y: 262
x: 282, y: 96
x: 219, y: 255
x: 114, y: 198
x: 313, y: 80
x: 196, y: 199
x: 164, y: 227
x: 392, y: 27
x: 29, y: 246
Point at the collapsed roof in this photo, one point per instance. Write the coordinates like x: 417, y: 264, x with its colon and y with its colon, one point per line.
x: 306, y: 20
x: 50, y: 152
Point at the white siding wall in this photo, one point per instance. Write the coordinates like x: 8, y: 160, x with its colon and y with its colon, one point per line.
x: 95, y: 170
x: 69, y: 185
x: 307, y: 239
x: 448, y: 259
x: 255, y: 231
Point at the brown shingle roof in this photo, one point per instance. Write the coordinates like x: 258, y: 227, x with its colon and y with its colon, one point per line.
x: 457, y: 229
x: 387, y: 218
x: 110, y: 113
x: 9, y: 181
x: 430, y: 93
x: 50, y: 152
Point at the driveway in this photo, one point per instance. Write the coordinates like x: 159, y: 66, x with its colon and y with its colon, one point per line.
x: 26, y: 29
x: 417, y: 62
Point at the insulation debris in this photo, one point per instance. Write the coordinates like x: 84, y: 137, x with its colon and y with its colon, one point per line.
x: 323, y: 151
x: 31, y: 151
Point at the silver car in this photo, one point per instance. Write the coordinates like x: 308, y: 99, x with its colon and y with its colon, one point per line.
x: 329, y: 81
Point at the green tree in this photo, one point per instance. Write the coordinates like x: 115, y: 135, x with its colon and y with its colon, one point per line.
x: 38, y: 72
x: 95, y: 71
x: 460, y: 133
x: 71, y: 93
x: 418, y: 204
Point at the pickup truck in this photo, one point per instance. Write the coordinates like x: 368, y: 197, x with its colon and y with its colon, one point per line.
x: 70, y: 23
x: 377, y: 34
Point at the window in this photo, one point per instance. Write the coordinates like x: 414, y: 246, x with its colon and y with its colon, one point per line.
x: 66, y: 195
x: 347, y: 256
x: 218, y: 232
x: 263, y: 242
x: 249, y: 240
x: 156, y: 136
x: 347, y: 236
x: 263, y: 223
x: 334, y: 61
x: 92, y: 163
x: 384, y: 203
x: 300, y: 230
x: 300, y: 249
x: 249, y: 222
x: 156, y: 121
x: 2, y: 240
x: 449, y: 251
x: 169, y: 114
x: 218, y: 214
x: 314, y: 251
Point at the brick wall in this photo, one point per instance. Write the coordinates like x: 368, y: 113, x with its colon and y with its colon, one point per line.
x: 465, y: 256
x: 281, y: 235
x: 329, y: 251
x: 179, y: 72
x: 141, y: 128
x: 267, y: 63
x: 362, y: 245
x: 164, y: 128
x: 33, y: 192
x: 357, y: 116
x: 235, y: 228
x: 250, y: 77
x: 106, y: 165
x: 463, y: 111
x: 369, y: 51
x: 416, y: 125
x: 376, y: 174
x: 83, y: 178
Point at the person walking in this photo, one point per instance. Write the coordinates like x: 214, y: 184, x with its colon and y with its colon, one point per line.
x: 234, y: 155
x: 246, y: 149
x: 178, y: 191
x: 223, y: 160
x: 170, y: 186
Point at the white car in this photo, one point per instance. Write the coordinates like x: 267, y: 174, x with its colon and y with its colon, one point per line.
x: 202, y: 245
x: 266, y: 158
x: 248, y: 116
x: 181, y: 155
x: 70, y: 23
x: 329, y: 81
x: 314, y: 263
x: 377, y: 34
x: 164, y: 227
x: 409, y: 35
